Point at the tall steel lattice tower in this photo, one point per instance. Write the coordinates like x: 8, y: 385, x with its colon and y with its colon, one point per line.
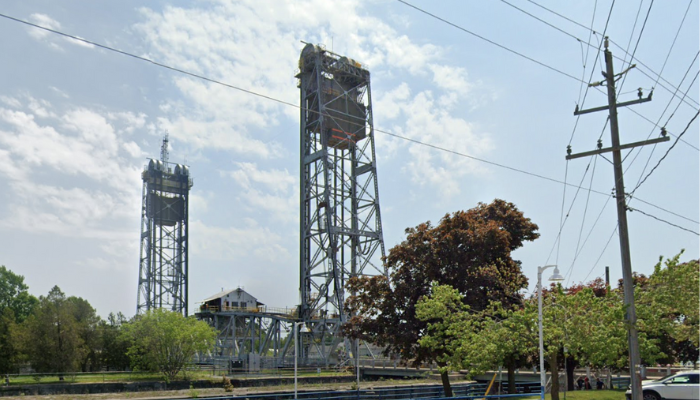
x: 341, y: 230
x: 163, y: 268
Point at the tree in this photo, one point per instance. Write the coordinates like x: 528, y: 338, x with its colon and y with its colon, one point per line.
x: 165, y: 341
x: 51, y: 335
x: 114, y: 345
x: 669, y: 301
x: 590, y: 324
x: 476, y: 341
x: 87, y: 322
x: 8, y: 350
x: 469, y: 251
x: 14, y: 294
x: 15, y: 305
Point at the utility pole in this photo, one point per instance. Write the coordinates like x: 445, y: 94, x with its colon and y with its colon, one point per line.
x: 631, y: 315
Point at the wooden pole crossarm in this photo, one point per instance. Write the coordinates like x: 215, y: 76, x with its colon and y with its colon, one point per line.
x: 602, y: 108
x: 621, y: 147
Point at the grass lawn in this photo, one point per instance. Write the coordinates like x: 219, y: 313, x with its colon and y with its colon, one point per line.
x: 101, y: 377
x: 591, y: 395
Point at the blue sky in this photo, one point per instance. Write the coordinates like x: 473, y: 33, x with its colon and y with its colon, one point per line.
x: 77, y: 124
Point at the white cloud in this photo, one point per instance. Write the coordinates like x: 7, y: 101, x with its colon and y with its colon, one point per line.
x: 248, y: 174
x: 71, y: 173
x: 223, y: 42
x: 45, y: 21
x: 428, y: 119
x: 132, y: 121
x: 72, y: 212
x: 273, y: 191
x: 450, y: 78
x: 52, y: 39
x: 80, y: 143
x: 11, y: 101
x: 234, y: 244
x: 80, y: 43
x: 59, y: 92
x: 133, y: 149
x: 40, y: 108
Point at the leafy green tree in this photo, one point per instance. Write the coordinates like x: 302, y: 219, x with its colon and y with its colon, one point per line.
x: 51, y: 335
x: 87, y: 322
x: 475, y: 341
x: 15, y: 306
x: 114, y: 345
x: 165, y: 341
x: 669, y: 306
x: 9, y: 353
x: 14, y: 295
x: 469, y: 251
x: 591, y: 325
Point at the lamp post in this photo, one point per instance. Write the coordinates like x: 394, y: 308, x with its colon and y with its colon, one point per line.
x: 304, y: 329
x: 357, y: 363
x: 556, y: 276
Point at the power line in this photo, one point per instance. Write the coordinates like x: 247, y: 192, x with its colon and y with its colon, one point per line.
x: 125, y: 53
x: 687, y: 90
x: 641, y: 31
x: 485, y: 161
x: 595, y: 264
x: 651, y: 153
x: 664, y: 221
x: 573, y: 132
x: 656, y: 125
x: 182, y: 71
x: 278, y: 100
x: 568, y: 212
x: 629, y: 43
x: 658, y: 75
x: 590, y: 232
x: 597, y: 56
x: 585, y: 212
x: 546, y: 23
x: 557, y: 242
x: 581, y: 41
x: 590, y: 35
x: 631, y: 195
x: 674, y: 42
x: 564, y: 17
x: 489, y: 41
x: 694, y: 107
x: 667, y: 151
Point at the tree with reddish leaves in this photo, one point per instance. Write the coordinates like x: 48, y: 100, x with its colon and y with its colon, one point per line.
x: 468, y: 250
x: 597, y: 285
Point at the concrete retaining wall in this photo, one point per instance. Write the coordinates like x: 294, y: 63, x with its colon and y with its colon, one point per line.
x: 118, y: 387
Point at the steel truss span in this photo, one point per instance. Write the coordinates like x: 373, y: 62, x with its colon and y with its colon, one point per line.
x: 163, y: 267
x: 340, y: 221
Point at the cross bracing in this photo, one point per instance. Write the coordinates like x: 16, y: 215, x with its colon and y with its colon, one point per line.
x: 341, y: 231
x: 163, y: 265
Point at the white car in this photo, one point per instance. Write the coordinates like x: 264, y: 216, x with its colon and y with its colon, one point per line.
x: 681, y: 386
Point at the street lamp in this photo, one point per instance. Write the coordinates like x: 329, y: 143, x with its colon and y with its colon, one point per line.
x: 304, y: 329
x: 556, y: 277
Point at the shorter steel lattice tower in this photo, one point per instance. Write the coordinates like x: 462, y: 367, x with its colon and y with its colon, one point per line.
x: 163, y: 267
